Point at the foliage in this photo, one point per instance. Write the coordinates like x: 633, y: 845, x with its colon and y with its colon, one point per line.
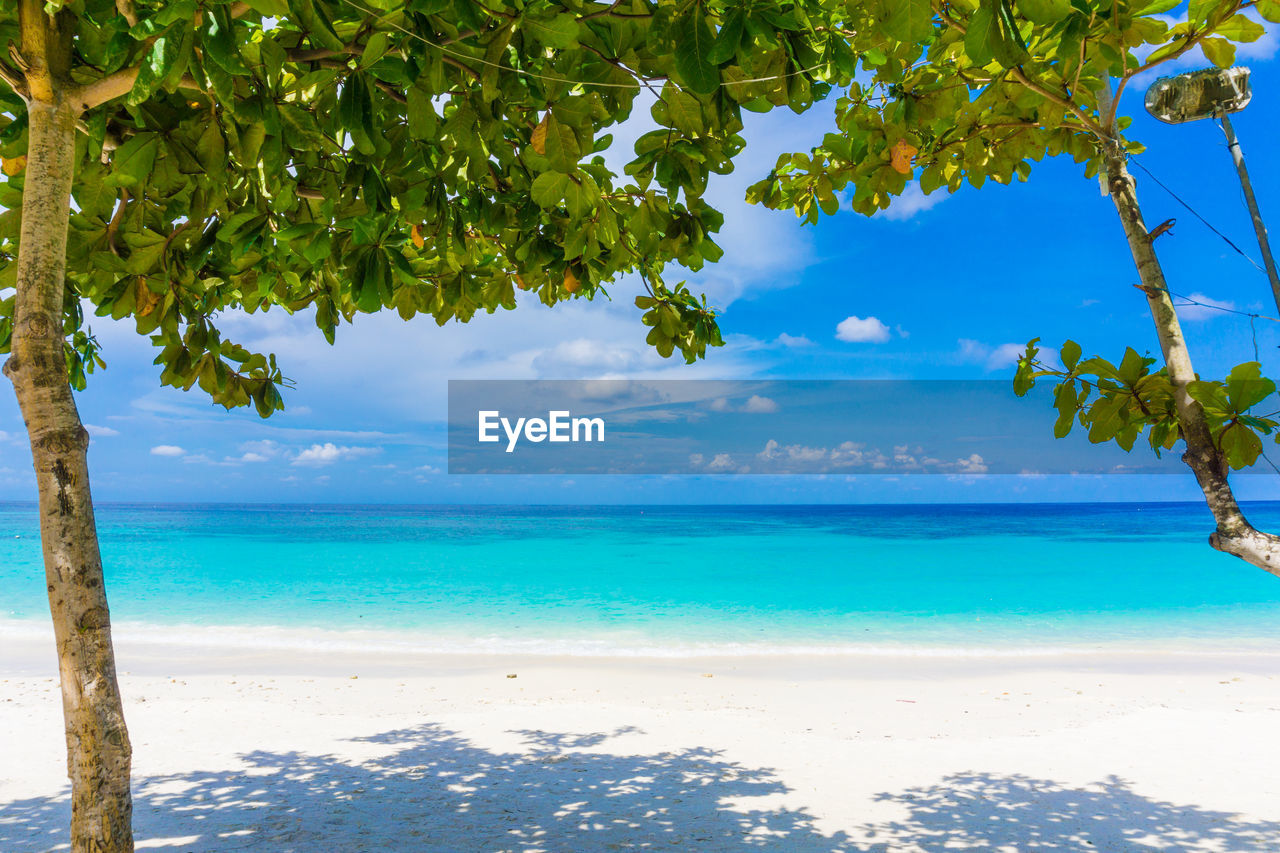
x: 977, y: 90
x: 1120, y: 402
x: 430, y: 156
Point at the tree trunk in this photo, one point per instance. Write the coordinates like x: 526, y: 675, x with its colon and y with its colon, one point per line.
x: 98, y: 751
x: 1234, y: 534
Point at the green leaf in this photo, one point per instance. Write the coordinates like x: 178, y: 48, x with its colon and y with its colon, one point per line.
x: 563, y: 151
x: 153, y: 69
x: 1241, y: 29
x: 1211, y: 395
x: 909, y: 21
x: 1132, y: 367
x: 132, y: 162
x: 548, y: 189
x: 1009, y: 48
x: 729, y: 37
x: 374, y: 49
x: 1070, y: 354
x: 693, y: 42
x: 316, y: 24
x: 1157, y: 7
x: 219, y: 42
x: 558, y: 31
x: 1198, y: 11
x: 1246, y: 387
x: 681, y: 111
x: 1064, y: 400
x: 1046, y: 11
x: 580, y: 194
x: 1220, y: 52
x: 422, y: 116
x: 983, y: 33
x: 211, y: 149
x: 1240, y: 445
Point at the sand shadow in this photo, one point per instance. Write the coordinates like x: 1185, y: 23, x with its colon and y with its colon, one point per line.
x: 980, y: 811
x: 436, y: 791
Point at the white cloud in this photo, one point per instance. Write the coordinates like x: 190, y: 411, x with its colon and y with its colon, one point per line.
x: 583, y: 356
x: 167, y: 450
x: 754, y: 405
x: 760, y: 405
x: 912, y: 201
x: 794, y: 340
x: 971, y: 464
x: 999, y: 356
x: 96, y: 431
x: 265, y: 448
x: 858, y: 330
x: 1204, y: 311
x: 329, y: 453
x: 721, y: 462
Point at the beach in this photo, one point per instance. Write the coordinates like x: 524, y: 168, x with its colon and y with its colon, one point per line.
x: 263, y: 750
x: 557, y: 680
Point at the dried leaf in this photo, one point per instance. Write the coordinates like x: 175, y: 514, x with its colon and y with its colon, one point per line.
x: 415, y: 234
x: 13, y: 165
x: 571, y: 282
x: 145, y: 299
x: 902, y: 153
x: 539, y: 138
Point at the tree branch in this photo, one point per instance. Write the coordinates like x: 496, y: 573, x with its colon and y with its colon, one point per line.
x: 1060, y: 100
x: 14, y: 81
x: 108, y: 88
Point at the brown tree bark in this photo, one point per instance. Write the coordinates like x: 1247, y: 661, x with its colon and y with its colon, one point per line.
x: 98, y: 750
x: 1234, y: 534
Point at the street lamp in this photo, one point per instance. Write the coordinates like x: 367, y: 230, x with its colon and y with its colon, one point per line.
x: 1215, y: 92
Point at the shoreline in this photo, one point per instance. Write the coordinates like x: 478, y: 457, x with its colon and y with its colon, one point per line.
x: 27, y: 651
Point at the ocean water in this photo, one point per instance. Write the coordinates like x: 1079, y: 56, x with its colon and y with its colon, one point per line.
x: 943, y: 579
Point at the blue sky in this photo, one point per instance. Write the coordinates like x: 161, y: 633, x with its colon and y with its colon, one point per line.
x: 938, y: 288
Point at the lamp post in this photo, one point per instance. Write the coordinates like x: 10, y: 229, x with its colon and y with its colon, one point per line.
x: 1208, y: 93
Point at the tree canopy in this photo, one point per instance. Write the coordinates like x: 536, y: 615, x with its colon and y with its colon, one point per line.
x: 346, y: 156
x: 978, y: 90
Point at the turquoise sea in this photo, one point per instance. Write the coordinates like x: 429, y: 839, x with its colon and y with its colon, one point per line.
x: 944, y: 579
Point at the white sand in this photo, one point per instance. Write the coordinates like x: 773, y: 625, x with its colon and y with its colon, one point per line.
x: 269, y: 752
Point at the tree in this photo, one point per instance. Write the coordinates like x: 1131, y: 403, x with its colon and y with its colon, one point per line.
x: 975, y: 90
x: 170, y: 162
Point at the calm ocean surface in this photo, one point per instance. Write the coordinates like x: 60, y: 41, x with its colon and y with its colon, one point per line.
x: 948, y: 579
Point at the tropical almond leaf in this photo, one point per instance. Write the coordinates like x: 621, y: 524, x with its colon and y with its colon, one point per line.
x: 693, y: 43
x: 571, y: 281
x: 538, y: 139
x: 1220, y: 52
x: 910, y: 21
x: 548, y: 189
x: 1044, y: 11
x: 900, y: 156
x: 979, y: 40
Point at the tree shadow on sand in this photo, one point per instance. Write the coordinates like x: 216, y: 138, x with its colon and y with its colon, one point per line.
x: 979, y: 811
x: 435, y: 791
